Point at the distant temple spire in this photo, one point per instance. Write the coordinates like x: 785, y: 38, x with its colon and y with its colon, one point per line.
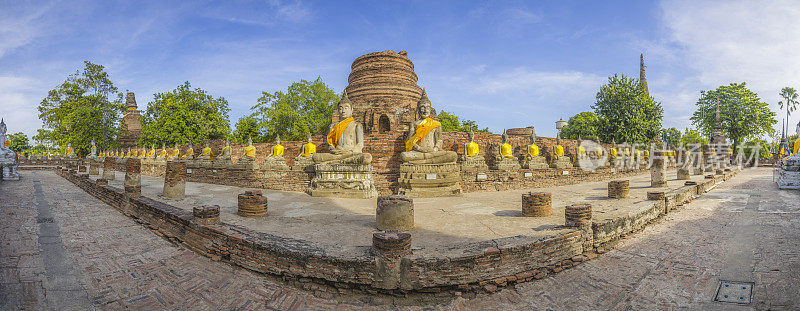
x: 642, y: 78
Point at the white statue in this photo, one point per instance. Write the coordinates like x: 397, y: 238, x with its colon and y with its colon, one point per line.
x: 8, y: 159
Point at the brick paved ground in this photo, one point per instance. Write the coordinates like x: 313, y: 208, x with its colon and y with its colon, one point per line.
x: 745, y: 230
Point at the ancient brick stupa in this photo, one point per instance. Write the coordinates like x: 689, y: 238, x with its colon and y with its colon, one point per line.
x: 130, y: 118
x: 384, y: 92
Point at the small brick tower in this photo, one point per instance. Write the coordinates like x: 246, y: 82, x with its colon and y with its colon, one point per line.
x: 130, y: 118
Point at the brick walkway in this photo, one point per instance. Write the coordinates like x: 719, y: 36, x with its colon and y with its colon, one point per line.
x: 745, y: 230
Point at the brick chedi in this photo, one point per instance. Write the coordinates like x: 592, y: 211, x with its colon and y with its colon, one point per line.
x: 384, y: 91
x: 130, y: 120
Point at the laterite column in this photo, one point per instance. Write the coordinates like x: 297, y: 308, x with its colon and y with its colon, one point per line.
x: 206, y: 214
x: 108, y: 168
x: 618, y: 189
x: 133, y: 169
x: 580, y: 216
x: 389, y: 248
x: 395, y: 212
x: 536, y: 204
x: 175, y: 180
x: 252, y: 204
x: 658, y: 172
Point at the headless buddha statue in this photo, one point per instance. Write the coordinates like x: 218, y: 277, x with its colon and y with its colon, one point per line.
x: 424, y: 142
x: 346, y: 139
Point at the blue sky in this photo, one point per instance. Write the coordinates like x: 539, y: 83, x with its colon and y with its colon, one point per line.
x: 502, y: 63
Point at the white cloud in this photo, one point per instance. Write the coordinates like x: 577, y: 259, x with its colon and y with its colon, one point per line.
x: 17, y: 26
x: 721, y: 42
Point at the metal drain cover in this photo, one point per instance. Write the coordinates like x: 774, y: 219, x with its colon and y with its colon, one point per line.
x: 735, y: 292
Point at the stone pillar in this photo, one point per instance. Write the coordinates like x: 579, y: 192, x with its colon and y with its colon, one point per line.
x: 618, y: 189
x: 81, y: 166
x: 536, y: 204
x: 658, y: 172
x: 108, y: 168
x: 684, y: 173
x: 580, y: 216
x: 389, y: 248
x: 133, y: 170
x: 395, y: 212
x: 175, y: 180
x: 206, y: 214
x: 655, y: 195
x: 252, y: 204
x: 93, y: 167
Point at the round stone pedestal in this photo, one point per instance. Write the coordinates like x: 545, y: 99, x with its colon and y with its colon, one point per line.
x: 175, y: 180
x: 252, y: 204
x: 577, y: 215
x: 206, y: 214
x: 536, y: 204
x: 395, y: 212
x: 391, y: 244
x: 618, y: 189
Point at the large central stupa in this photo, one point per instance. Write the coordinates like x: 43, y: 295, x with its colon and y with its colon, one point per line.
x: 384, y: 91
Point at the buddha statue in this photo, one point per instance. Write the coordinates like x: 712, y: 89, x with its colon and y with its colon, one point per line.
x: 346, y: 171
x: 580, y: 151
x: 189, y: 155
x: 152, y: 152
x: 206, y: 153
x: 533, y: 160
x: 250, y: 150
x: 93, y: 150
x: 505, y: 160
x: 558, y: 159
x: 303, y: 161
x: 176, y: 153
x: 69, y: 153
x: 275, y: 160
x: 472, y: 160
x: 424, y: 142
x: 345, y: 139
x: 248, y: 160
x: 162, y: 155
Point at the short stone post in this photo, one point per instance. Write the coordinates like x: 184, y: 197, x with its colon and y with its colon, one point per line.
x: 206, y: 214
x: 108, y: 168
x: 658, y: 172
x: 395, y: 212
x: 389, y: 248
x: 580, y: 216
x: 536, y: 204
x: 175, y: 180
x: 133, y: 170
x: 93, y: 167
x: 618, y: 189
x: 655, y: 195
x: 252, y: 204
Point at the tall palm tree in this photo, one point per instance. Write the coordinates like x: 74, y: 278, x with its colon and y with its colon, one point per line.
x: 790, y: 96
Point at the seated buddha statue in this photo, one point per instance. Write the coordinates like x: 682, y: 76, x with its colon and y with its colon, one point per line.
x: 176, y: 153
x: 424, y: 142
x: 533, y: 159
x: 472, y: 160
x: 559, y: 160
x: 345, y: 139
x: 206, y: 153
x: 505, y: 160
x: 69, y: 153
x: 189, y: 155
x: 304, y: 161
x: 152, y: 152
x: 275, y: 159
x: 250, y: 150
x: 93, y: 150
x: 162, y: 155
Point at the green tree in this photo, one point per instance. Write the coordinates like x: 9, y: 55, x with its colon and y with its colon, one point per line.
x: 790, y: 101
x: 756, y: 144
x: 184, y: 115
x: 583, y: 125
x: 671, y: 136
x: 691, y: 136
x: 453, y: 123
x: 742, y: 113
x: 626, y: 113
x: 247, y: 127
x: 305, y: 107
x: 84, y: 107
x: 18, y: 142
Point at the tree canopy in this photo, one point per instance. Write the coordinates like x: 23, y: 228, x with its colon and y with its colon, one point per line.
x: 691, y: 136
x: 760, y: 144
x: 453, y: 123
x: 305, y: 108
x: 583, y: 125
x: 18, y: 142
x: 85, y: 106
x: 626, y: 113
x: 247, y: 127
x: 671, y: 137
x: 184, y: 115
x: 742, y: 113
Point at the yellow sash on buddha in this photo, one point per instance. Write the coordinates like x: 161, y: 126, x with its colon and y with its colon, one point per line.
x: 337, y: 130
x: 309, y: 149
x: 581, y: 150
x: 277, y: 150
x: 533, y: 150
x: 206, y: 151
x: 422, y: 130
x: 507, y: 151
x: 796, y: 145
x: 473, y: 149
x: 559, y: 151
